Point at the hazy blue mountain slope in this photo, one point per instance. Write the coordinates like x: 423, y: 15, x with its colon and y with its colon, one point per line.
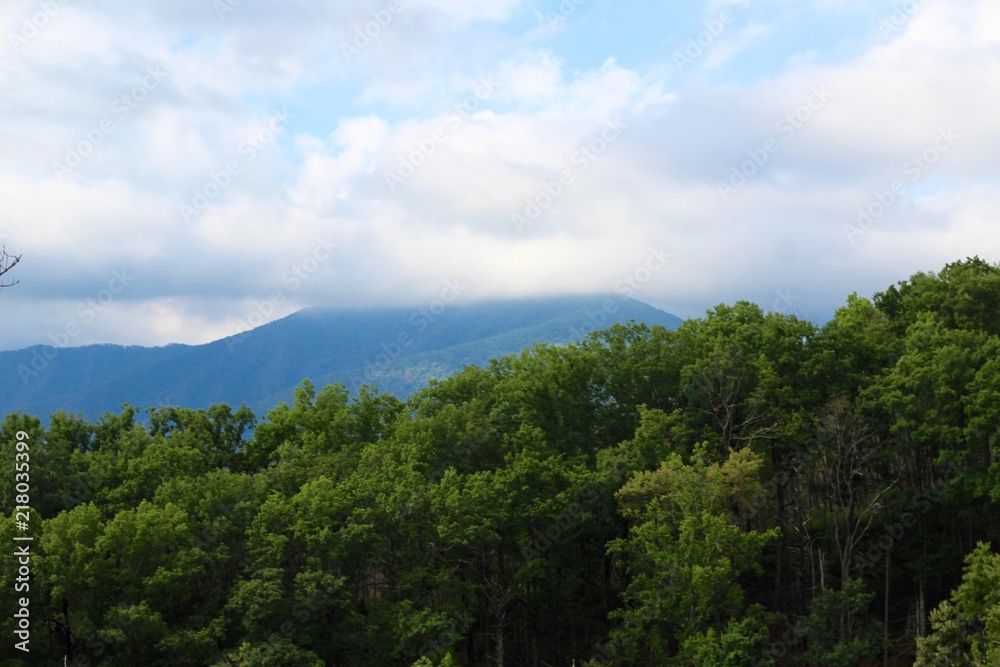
x: 398, y: 350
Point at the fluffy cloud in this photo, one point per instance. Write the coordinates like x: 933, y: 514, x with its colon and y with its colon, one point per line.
x: 460, y: 142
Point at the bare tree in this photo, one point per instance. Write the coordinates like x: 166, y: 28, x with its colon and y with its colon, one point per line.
x: 7, y: 262
x: 853, y: 491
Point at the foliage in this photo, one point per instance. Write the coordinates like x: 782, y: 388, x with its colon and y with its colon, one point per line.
x: 838, y: 630
x: 685, y: 556
x: 645, y: 496
x: 966, y: 627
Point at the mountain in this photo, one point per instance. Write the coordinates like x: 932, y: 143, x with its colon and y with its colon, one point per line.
x: 398, y: 350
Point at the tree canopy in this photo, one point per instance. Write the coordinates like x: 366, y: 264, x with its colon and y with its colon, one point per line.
x: 749, y: 489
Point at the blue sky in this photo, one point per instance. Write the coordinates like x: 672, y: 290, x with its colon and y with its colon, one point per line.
x: 179, y: 171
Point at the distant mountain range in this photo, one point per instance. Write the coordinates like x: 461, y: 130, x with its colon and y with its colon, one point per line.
x: 397, y: 350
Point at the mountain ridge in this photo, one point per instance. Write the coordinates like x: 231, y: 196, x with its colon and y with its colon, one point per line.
x: 396, y: 349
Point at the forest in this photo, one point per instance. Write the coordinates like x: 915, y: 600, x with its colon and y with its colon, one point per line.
x: 748, y: 489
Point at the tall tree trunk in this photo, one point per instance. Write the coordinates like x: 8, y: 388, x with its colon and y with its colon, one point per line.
x: 779, y: 560
x: 921, y: 607
x: 885, y: 620
x: 921, y: 592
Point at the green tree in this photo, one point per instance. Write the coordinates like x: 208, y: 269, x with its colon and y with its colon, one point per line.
x: 71, y: 578
x: 276, y: 652
x: 685, y: 556
x: 218, y: 431
x: 852, y: 349
x: 962, y: 296
x: 740, y: 643
x: 32, y: 426
x: 965, y: 629
x: 839, y: 631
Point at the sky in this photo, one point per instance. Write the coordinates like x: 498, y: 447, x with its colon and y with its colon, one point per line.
x: 183, y: 170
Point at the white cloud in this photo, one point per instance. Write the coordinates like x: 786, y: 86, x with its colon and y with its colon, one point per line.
x: 472, y: 10
x: 727, y: 49
x: 324, y: 177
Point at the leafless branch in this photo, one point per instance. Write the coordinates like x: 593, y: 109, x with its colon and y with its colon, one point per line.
x: 7, y: 262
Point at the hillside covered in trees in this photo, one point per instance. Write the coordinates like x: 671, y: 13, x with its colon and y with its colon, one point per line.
x: 398, y: 350
x: 748, y: 489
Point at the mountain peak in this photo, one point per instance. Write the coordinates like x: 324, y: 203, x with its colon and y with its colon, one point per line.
x: 396, y: 349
